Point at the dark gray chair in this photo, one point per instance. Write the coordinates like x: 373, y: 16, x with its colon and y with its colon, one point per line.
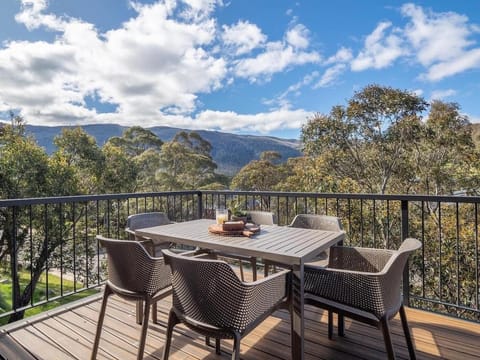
x: 133, y: 275
x: 315, y: 222
x: 259, y: 218
x: 210, y: 299
x: 363, y: 284
x: 144, y: 220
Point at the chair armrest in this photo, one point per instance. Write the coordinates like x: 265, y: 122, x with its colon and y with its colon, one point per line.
x: 159, y: 274
x: 371, y: 292
x: 264, y: 294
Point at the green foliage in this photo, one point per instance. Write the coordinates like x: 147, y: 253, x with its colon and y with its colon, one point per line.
x: 136, y: 140
x: 186, y: 163
x: 370, y: 139
x: 120, y: 172
x: 81, y: 152
x: 260, y: 175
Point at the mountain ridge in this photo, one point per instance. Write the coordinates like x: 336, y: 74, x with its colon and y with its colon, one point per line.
x: 230, y: 151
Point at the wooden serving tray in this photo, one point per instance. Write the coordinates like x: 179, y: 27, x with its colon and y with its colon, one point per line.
x: 248, y: 230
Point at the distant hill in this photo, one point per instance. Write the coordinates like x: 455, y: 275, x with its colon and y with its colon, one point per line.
x: 230, y: 151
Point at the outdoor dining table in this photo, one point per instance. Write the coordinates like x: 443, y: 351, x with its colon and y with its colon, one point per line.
x: 282, y: 244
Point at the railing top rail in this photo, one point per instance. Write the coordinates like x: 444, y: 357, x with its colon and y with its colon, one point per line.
x: 398, y: 197
x: 85, y: 198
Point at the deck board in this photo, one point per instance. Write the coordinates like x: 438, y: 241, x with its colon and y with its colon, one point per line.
x: 69, y: 335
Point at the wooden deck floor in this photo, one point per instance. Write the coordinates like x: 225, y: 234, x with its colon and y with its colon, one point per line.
x: 69, y: 333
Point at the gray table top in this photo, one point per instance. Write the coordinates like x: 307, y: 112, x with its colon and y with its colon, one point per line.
x: 282, y: 244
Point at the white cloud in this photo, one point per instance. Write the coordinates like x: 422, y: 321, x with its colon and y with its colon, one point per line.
x: 435, y: 36
x: 441, y: 41
x: 298, y: 37
x: 32, y: 16
x: 260, y: 122
x: 330, y: 75
x: 442, y: 94
x: 151, y: 69
x: 282, y: 100
x: 278, y: 56
x: 243, y: 37
x: 380, y: 49
x: 153, y: 64
x: 343, y: 55
x: 199, y: 9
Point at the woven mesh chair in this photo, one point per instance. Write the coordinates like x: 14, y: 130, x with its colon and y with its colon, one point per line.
x: 363, y: 284
x: 315, y: 222
x: 262, y: 217
x: 209, y: 298
x: 133, y: 275
x: 259, y: 218
x: 145, y: 220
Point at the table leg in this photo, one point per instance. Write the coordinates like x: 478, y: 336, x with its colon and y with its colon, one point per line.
x: 297, y: 313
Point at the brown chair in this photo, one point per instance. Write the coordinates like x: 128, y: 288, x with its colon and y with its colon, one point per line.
x: 133, y: 275
x: 315, y: 222
x: 210, y: 299
x: 363, y: 284
x: 145, y: 220
x: 259, y: 218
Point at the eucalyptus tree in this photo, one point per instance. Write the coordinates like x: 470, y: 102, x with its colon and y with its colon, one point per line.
x: 447, y: 160
x: 81, y: 152
x: 143, y: 147
x: 260, y: 175
x: 370, y: 139
x: 186, y: 162
x: 27, y: 171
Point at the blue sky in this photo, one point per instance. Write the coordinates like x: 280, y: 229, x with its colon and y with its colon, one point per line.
x: 251, y: 67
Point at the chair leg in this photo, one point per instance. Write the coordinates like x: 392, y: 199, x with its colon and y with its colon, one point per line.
x: 241, y: 271
x: 387, y: 338
x: 139, y: 311
x: 106, y: 293
x: 154, y: 313
x: 217, y: 346
x: 172, y: 321
x: 143, y: 336
x: 253, y: 262
x: 341, y: 325
x: 406, y: 331
x: 236, y: 347
x: 330, y: 324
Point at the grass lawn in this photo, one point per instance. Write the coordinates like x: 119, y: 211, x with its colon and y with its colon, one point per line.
x: 54, y: 289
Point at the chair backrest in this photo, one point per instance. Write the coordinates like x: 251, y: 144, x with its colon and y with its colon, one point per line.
x: 143, y: 220
x: 132, y: 269
x: 262, y: 217
x: 207, y: 291
x: 317, y: 222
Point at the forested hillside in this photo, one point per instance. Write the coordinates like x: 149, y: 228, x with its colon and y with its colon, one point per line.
x: 229, y: 151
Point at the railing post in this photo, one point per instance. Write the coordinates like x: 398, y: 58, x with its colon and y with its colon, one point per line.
x: 13, y: 260
x: 406, y: 272
x: 200, y: 205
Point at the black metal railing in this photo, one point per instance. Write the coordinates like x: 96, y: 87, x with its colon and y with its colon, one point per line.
x: 48, y: 249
